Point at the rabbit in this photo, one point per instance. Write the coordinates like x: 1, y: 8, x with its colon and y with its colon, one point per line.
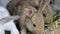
x: 10, y: 26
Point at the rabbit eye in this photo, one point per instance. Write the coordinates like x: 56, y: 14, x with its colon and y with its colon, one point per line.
x: 44, y: 15
x: 34, y: 25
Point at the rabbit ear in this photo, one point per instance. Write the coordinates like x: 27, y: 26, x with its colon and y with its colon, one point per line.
x: 9, y: 18
x: 43, y: 5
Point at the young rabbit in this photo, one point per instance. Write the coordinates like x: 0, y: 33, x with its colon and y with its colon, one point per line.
x: 10, y: 26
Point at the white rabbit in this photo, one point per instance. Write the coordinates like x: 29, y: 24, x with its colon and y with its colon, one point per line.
x: 10, y: 26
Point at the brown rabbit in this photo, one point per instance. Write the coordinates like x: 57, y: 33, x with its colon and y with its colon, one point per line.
x: 27, y: 14
x: 48, y: 14
x: 46, y: 10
